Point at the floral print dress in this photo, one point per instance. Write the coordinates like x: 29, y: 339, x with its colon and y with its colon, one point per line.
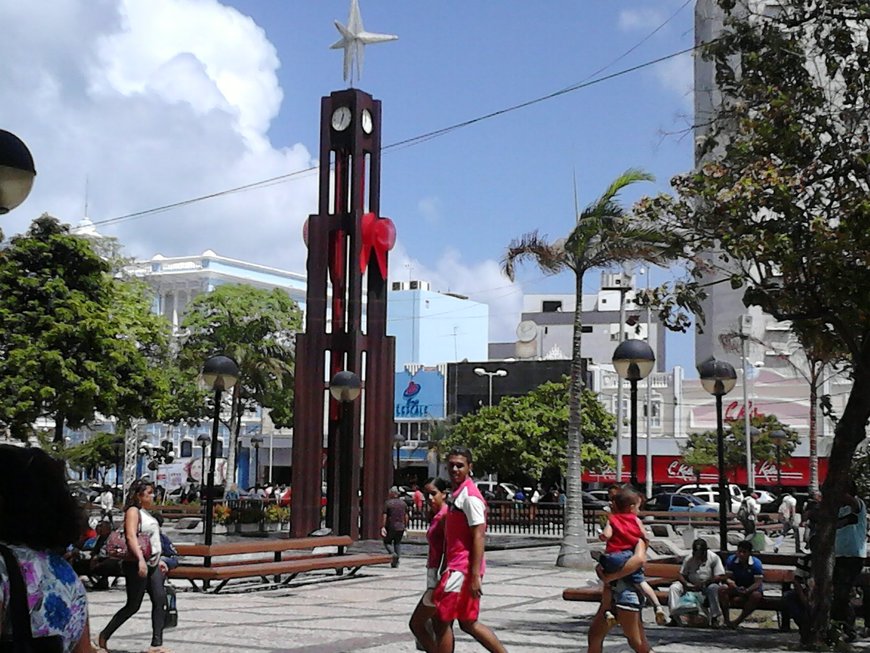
x: 55, y: 595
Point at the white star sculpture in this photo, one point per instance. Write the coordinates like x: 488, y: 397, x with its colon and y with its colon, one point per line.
x: 354, y: 38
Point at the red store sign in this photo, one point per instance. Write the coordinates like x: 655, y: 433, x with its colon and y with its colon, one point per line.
x: 671, y: 469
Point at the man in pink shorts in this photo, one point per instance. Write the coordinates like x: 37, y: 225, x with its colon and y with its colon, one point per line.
x: 457, y: 596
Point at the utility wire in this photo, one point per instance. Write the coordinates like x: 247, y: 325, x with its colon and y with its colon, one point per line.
x: 415, y: 140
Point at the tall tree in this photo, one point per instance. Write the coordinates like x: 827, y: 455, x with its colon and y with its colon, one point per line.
x: 257, y: 329
x: 603, y: 235
x: 781, y: 204
x: 525, y: 438
x: 74, y: 341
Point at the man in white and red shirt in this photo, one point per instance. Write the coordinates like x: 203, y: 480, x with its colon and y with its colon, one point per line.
x: 457, y: 596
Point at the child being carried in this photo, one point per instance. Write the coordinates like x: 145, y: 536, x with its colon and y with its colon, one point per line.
x: 622, y: 533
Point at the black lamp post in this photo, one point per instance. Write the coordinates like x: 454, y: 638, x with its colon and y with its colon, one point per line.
x: 203, y: 440
x: 118, y: 448
x: 482, y: 372
x: 219, y: 373
x: 344, y: 387
x: 633, y: 360
x: 778, y: 437
x: 256, y: 441
x: 16, y: 171
x: 398, y: 442
x: 719, y: 378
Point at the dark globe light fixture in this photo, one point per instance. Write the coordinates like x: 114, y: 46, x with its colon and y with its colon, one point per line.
x: 256, y: 441
x: 719, y: 378
x: 17, y: 171
x: 219, y: 373
x: 345, y: 386
x: 633, y: 360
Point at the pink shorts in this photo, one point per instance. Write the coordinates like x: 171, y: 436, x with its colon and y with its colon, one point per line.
x: 453, y: 598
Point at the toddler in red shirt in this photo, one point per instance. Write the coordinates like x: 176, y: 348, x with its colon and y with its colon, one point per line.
x: 622, y: 533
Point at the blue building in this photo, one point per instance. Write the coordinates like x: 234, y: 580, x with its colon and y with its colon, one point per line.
x: 432, y: 328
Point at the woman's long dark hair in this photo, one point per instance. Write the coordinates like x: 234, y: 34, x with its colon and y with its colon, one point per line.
x: 137, y: 487
x: 37, y: 509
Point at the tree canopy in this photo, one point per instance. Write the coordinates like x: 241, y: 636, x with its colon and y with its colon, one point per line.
x: 525, y: 438
x: 257, y: 329
x: 74, y: 340
x: 779, y: 205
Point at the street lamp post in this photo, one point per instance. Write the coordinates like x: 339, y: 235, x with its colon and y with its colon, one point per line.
x: 719, y: 378
x: 204, y: 440
x: 16, y: 171
x: 118, y: 448
x: 398, y: 441
x: 778, y: 437
x: 219, y: 373
x: 256, y: 441
x: 633, y: 360
x: 482, y: 372
x: 344, y: 387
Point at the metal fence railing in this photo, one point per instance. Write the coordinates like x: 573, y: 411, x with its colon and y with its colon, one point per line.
x: 519, y: 518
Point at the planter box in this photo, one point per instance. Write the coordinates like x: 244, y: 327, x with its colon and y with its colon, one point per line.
x: 219, y: 529
x: 248, y: 528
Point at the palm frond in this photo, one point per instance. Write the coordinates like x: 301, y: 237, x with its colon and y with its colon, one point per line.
x: 550, y: 257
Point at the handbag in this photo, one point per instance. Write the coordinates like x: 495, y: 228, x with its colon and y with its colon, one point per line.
x: 22, y: 640
x: 689, y: 603
x: 116, y: 546
x: 170, y: 608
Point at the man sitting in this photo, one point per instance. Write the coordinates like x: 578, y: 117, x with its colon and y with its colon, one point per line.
x: 701, y: 572
x: 745, y: 578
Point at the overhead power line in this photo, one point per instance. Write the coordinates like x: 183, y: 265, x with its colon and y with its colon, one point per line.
x: 416, y: 140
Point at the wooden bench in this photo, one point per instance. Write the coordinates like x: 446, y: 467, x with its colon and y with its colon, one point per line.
x: 661, y: 574
x: 290, y: 557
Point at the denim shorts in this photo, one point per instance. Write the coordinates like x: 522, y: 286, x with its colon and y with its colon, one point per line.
x: 627, y: 596
x: 615, y: 561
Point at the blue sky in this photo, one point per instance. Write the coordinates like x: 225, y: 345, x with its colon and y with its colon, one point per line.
x: 151, y: 102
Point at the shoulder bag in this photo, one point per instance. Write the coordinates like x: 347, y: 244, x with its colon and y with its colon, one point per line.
x: 22, y: 639
x: 116, y: 545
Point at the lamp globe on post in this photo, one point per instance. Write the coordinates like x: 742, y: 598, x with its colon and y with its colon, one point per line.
x: 719, y: 378
x: 256, y: 441
x: 204, y: 440
x: 398, y: 442
x: 633, y: 360
x: 17, y: 171
x: 778, y: 437
x: 219, y: 373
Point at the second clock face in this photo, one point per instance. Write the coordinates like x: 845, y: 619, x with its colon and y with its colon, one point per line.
x: 341, y: 118
x: 366, y: 121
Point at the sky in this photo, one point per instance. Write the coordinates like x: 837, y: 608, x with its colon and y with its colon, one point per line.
x: 133, y: 105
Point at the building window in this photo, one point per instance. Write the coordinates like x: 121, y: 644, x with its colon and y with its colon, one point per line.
x: 186, y: 448
x: 655, y: 419
x: 551, y: 306
x: 586, y: 329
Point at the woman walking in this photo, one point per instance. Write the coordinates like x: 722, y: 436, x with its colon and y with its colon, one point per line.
x: 421, y: 620
x: 141, y: 575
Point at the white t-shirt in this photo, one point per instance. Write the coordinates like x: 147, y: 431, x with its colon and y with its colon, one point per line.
x: 149, y: 526
x: 107, y: 500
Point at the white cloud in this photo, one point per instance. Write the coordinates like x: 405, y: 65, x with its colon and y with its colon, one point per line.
x: 678, y: 75
x: 430, y: 209
x: 646, y: 19
x: 153, y: 102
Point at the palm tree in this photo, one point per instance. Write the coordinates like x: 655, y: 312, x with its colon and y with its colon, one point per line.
x: 603, y: 235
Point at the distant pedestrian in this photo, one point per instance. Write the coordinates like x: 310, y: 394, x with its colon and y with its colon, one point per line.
x: 107, y: 502
x: 421, y: 620
x: 395, y: 521
x: 418, y: 498
x: 457, y: 596
x: 850, y: 551
x: 748, y: 513
x: 789, y: 519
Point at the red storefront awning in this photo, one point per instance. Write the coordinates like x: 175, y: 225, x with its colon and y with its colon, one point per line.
x: 671, y: 469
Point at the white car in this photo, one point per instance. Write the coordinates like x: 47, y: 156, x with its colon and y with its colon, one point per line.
x: 709, y: 494
x: 488, y: 487
x: 764, y: 497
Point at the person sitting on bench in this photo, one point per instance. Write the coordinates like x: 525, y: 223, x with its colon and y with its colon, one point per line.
x: 745, y: 578
x: 701, y: 572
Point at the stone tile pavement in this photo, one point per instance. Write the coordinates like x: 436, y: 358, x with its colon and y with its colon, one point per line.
x: 369, y: 612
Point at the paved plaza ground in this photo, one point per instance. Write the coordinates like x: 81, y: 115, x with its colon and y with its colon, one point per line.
x: 522, y: 602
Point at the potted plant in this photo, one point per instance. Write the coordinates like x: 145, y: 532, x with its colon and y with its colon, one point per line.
x: 274, y: 516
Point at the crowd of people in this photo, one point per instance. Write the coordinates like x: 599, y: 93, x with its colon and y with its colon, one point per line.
x: 39, y: 519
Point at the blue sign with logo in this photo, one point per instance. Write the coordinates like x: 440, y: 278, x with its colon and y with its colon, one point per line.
x: 419, y: 396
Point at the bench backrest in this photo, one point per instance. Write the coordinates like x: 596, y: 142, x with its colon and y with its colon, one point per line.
x: 262, y: 546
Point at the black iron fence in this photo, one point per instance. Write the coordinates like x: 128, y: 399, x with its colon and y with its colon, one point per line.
x: 520, y: 518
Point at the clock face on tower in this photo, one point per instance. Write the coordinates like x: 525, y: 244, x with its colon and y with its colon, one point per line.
x: 366, y: 121
x: 341, y: 119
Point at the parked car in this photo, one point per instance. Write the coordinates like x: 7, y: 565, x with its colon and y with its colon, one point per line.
x: 678, y: 502
x: 599, y: 495
x: 592, y: 500
x: 488, y: 489
x: 710, y: 494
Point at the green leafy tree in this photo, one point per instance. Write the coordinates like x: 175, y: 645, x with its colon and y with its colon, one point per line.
x: 74, y: 341
x: 780, y: 206
x: 95, y: 455
x: 701, y: 452
x: 257, y: 329
x: 603, y: 235
x: 525, y: 438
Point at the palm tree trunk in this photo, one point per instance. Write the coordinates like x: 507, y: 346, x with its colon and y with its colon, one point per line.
x: 574, y: 550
